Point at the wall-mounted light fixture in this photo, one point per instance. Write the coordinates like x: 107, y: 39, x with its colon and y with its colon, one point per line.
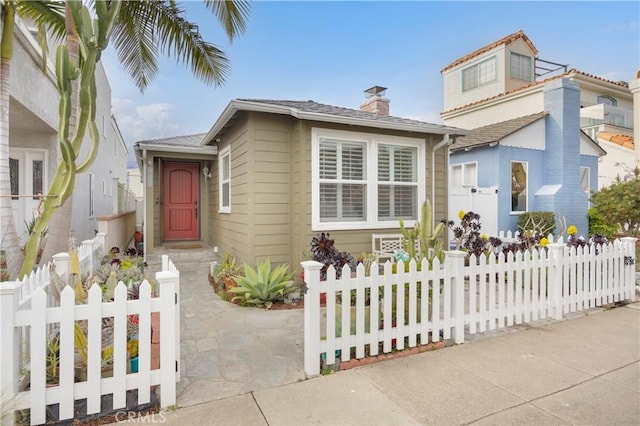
x: 206, y: 172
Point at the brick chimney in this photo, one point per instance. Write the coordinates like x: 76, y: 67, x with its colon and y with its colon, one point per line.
x: 375, y: 102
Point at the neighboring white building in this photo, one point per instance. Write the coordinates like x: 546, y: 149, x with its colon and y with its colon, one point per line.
x: 34, y: 153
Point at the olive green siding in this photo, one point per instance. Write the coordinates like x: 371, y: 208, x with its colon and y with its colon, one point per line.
x: 232, y: 230
x: 271, y: 190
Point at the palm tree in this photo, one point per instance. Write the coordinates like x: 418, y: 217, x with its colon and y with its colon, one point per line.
x: 141, y: 31
x: 47, y: 17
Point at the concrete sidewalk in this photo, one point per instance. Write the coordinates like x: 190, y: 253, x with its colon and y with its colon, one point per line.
x: 581, y: 371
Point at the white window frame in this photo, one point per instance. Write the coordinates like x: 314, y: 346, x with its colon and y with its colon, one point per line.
x: 224, y: 155
x: 587, y: 190
x: 371, y: 204
x: 526, y: 207
x: 476, y: 68
x: 524, y: 74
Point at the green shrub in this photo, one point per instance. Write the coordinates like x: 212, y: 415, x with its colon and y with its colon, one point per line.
x: 263, y: 286
x: 599, y: 225
x: 541, y: 223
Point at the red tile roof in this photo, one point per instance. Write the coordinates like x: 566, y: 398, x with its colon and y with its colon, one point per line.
x: 505, y: 40
x: 622, y: 140
x: 569, y: 73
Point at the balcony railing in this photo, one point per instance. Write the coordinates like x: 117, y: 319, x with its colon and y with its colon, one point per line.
x: 597, y: 115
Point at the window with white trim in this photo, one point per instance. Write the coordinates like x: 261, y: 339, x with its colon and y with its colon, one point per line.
x: 224, y: 180
x: 585, y: 180
x: 521, y: 67
x: 464, y: 175
x: 362, y: 181
x: 479, y: 74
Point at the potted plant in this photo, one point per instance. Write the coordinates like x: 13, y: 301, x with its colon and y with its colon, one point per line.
x: 225, y: 273
x: 132, y: 349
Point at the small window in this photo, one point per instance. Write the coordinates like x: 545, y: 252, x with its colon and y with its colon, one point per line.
x: 585, y: 180
x: 104, y: 187
x: 521, y: 67
x: 607, y: 100
x: 464, y: 175
x: 224, y: 164
x: 519, y: 178
x: 14, y: 177
x: 479, y: 74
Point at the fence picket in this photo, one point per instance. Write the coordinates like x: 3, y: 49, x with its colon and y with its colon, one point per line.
x: 330, y: 302
x: 120, y: 346
x: 473, y: 277
x: 399, y: 319
x: 67, y: 353
x: 344, y: 287
x: 143, y: 308
x: 446, y: 296
x: 425, y: 285
x: 438, y: 280
x: 94, y: 348
x: 374, y: 333
x: 38, y: 354
x: 387, y: 301
x: 360, y: 313
x: 412, y: 329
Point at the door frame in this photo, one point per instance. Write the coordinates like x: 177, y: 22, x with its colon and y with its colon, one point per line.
x: 198, y: 194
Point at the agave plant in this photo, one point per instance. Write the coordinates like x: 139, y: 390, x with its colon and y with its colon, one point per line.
x: 263, y: 286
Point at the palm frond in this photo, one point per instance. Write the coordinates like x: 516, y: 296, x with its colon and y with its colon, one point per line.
x: 47, y: 14
x: 231, y: 14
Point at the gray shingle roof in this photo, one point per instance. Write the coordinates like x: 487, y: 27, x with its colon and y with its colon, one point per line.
x: 495, y: 132
x: 318, y: 108
x: 186, y: 140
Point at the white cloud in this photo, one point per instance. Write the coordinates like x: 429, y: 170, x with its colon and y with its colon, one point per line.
x: 144, y: 122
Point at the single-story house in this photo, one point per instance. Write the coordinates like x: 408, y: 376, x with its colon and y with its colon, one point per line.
x: 271, y: 174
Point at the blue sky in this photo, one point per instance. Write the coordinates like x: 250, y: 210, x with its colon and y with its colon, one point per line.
x: 330, y: 52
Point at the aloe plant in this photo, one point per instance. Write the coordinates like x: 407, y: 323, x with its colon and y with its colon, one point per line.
x: 263, y: 286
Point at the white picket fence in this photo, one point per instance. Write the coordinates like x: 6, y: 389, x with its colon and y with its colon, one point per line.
x: 456, y: 300
x: 28, y: 315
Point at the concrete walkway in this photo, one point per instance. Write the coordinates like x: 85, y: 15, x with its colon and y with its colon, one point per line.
x: 245, y: 366
x: 228, y: 350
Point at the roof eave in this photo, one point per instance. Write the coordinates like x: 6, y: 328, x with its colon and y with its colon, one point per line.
x: 237, y: 105
x: 205, y: 150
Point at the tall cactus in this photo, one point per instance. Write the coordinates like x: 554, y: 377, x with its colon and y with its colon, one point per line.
x: 430, y: 238
x: 93, y: 35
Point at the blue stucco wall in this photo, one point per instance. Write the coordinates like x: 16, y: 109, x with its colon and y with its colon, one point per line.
x: 553, y: 174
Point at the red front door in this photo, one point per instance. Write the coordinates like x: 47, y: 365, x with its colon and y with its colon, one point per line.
x: 180, y: 208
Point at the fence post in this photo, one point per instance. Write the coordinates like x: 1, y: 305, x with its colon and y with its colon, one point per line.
x: 9, y: 347
x: 165, y: 268
x: 61, y: 260
x: 312, y: 317
x: 629, y: 266
x: 168, y: 363
x: 455, y: 262
x: 556, y: 257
